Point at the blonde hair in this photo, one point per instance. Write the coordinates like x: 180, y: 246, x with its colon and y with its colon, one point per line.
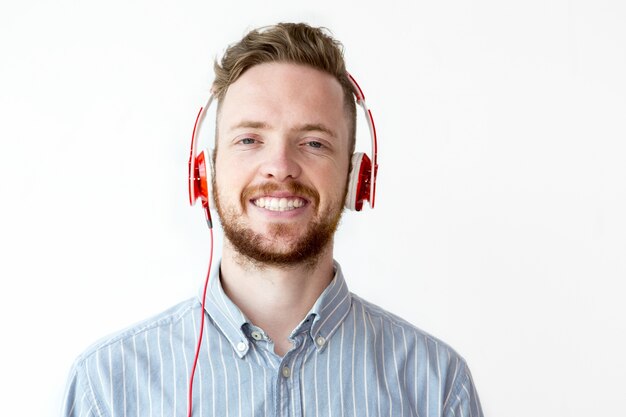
x: 296, y: 43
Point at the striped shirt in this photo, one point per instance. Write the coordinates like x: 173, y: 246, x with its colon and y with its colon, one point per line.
x: 349, y: 358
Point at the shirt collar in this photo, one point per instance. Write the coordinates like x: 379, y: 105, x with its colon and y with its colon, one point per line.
x: 225, y: 314
x: 330, y: 309
x: 321, y: 322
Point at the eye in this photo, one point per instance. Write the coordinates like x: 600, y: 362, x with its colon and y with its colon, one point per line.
x: 315, y: 144
x: 247, y: 141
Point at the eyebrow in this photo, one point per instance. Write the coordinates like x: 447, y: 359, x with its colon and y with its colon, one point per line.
x: 307, y: 127
x: 250, y: 124
x: 315, y: 127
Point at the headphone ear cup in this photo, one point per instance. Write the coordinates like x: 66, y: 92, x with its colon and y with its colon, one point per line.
x: 202, y: 179
x: 358, y: 181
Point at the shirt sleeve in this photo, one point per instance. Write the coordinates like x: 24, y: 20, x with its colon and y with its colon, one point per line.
x: 464, y: 400
x: 79, y: 399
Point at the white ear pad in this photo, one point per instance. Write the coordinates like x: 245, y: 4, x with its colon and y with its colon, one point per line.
x: 353, y: 180
x: 210, y: 174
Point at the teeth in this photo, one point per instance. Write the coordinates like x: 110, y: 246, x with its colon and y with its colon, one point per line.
x: 279, y: 204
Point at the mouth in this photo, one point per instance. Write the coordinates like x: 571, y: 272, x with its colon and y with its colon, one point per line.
x: 279, y: 203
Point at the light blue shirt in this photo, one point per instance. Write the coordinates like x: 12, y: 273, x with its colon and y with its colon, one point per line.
x: 349, y: 358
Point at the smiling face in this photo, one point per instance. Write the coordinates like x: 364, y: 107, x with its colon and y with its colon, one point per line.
x: 282, y: 162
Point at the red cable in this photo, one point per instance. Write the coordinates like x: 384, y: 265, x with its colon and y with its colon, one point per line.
x: 195, y: 361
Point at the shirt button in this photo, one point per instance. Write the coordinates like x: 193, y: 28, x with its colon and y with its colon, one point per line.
x: 241, y: 346
x: 320, y: 341
x: 257, y: 335
x: 286, y: 372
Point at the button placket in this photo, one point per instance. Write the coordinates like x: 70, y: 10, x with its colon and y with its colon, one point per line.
x: 289, y: 372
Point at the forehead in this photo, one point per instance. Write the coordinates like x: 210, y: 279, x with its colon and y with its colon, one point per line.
x: 284, y: 94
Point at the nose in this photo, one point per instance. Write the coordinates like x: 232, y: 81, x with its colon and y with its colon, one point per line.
x: 280, y: 163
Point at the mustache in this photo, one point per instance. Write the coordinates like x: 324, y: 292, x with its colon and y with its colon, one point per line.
x: 295, y: 188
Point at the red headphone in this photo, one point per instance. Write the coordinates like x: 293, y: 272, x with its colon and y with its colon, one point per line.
x: 362, y: 177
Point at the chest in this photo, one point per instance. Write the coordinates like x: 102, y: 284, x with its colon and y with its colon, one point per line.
x: 335, y: 380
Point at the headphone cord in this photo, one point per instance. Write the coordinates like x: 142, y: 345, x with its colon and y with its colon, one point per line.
x: 195, y: 360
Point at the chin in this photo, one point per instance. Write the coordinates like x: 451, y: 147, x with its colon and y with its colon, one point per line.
x: 279, y: 243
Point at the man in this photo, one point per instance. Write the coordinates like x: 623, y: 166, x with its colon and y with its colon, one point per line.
x: 283, y: 335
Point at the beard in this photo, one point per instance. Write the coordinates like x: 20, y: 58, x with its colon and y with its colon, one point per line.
x: 282, y: 245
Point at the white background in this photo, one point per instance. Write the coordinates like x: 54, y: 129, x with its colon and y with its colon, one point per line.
x: 500, y: 222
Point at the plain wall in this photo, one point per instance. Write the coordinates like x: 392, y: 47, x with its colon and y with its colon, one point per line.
x: 499, y: 224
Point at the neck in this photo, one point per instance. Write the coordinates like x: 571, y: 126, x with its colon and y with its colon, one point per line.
x: 275, y: 298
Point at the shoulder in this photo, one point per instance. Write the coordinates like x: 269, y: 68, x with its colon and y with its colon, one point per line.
x: 167, y: 318
x: 407, y: 336
x: 375, y: 313
x: 424, y: 359
x: 95, y: 373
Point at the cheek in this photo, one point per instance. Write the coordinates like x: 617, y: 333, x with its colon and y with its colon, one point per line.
x: 226, y: 185
x: 335, y: 184
x: 344, y: 172
x: 226, y: 171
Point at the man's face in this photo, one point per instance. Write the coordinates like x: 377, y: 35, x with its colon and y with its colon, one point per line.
x: 282, y: 162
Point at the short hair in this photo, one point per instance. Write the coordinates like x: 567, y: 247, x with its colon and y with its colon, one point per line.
x: 296, y: 43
